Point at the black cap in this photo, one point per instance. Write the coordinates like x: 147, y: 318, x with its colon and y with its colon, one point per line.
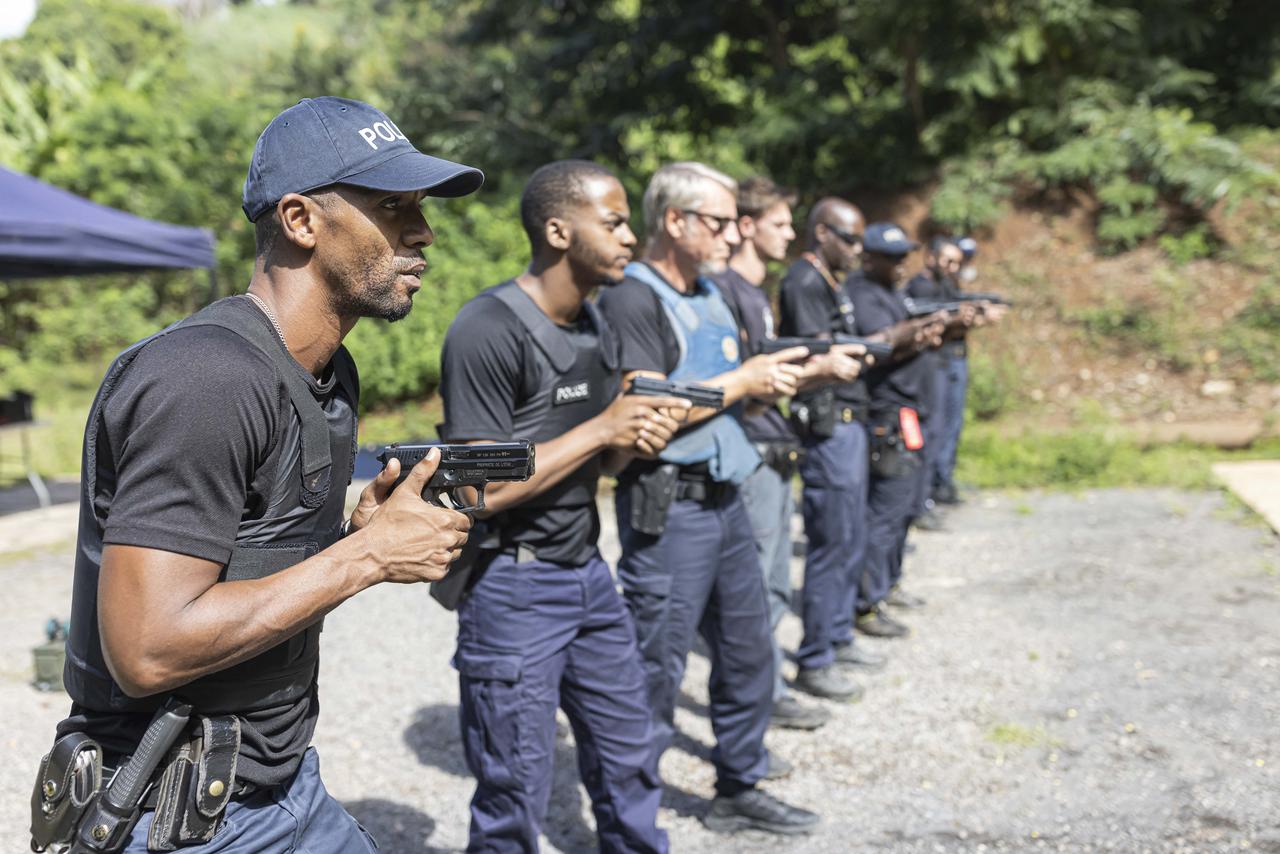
x: 322, y: 141
x: 885, y: 238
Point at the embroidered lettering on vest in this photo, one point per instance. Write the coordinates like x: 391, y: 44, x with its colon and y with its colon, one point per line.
x: 571, y: 393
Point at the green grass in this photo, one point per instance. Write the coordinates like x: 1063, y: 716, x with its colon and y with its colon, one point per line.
x: 1089, y: 457
x: 1016, y: 735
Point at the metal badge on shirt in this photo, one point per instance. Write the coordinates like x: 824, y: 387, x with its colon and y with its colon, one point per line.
x: 571, y: 393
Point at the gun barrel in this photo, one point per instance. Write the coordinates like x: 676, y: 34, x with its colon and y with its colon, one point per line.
x: 816, y: 346
x: 707, y: 396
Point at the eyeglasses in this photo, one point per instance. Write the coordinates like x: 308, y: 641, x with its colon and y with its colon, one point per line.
x: 715, y: 224
x: 851, y: 239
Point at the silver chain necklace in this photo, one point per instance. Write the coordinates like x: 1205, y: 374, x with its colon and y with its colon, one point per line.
x: 271, y: 316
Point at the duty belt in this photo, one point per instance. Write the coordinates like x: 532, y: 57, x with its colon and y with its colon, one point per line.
x: 953, y: 349
x: 850, y: 414
x: 782, y: 457
x: 702, y: 489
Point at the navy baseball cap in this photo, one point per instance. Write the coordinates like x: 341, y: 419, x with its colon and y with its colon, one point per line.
x: 322, y: 141
x: 968, y: 246
x: 885, y: 238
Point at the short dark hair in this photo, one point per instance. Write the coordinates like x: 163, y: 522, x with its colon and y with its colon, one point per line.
x: 551, y: 190
x: 266, y: 228
x: 756, y: 195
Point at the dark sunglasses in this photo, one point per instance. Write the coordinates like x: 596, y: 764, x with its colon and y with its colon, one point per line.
x: 714, y: 224
x: 851, y: 239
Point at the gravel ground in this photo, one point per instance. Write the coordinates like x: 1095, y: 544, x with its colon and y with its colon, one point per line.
x: 1093, y: 671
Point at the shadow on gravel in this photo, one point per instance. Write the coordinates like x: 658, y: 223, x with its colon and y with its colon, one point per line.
x: 396, y: 828
x: 688, y: 744
x: 684, y: 701
x: 682, y: 803
x: 435, y: 740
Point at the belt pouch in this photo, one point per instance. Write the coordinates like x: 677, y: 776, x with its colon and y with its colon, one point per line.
x: 890, y: 458
x: 651, y: 497
x: 814, y: 415
x: 196, y: 786
x: 69, y: 778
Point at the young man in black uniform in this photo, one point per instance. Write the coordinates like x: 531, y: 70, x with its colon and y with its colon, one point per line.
x: 216, y: 460
x: 896, y: 389
x: 545, y: 627
x: 936, y: 282
x: 834, y: 469
x: 764, y: 220
x: 688, y: 556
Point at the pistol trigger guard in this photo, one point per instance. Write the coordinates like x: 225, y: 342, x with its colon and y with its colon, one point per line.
x: 462, y: 507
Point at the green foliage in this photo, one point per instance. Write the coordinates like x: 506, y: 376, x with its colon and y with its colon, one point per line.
x: 482, y: 246
x: 1193, y: 244
x: 1255, y: 338
x: 1091, y: 457
x: 993, y: 387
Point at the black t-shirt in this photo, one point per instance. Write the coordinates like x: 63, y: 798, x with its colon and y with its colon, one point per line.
x: 809, y: 308
x: 186, y: 457
x: 645, y: 336
x: 924, y: 286
x: 750, y: 306
x: 896, y: 384
x: 491, y: 374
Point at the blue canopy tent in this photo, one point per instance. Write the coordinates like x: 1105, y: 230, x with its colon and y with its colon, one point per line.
x: 45, y: 231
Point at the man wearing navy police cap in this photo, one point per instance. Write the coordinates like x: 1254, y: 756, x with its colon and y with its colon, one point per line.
x: 212, y: 539
x: 897, y: 388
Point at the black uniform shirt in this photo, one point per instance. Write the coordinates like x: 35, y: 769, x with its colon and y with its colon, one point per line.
x: 895, y: 384
x: 490, y: 364
x: 750, y: 306
x: 187, y: 452
x: 924, y: 286
x: 645, y: 336
x: 810, y: 309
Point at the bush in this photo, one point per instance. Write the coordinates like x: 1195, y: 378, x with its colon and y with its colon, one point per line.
x: 993, y: 387
x: 477, y: 245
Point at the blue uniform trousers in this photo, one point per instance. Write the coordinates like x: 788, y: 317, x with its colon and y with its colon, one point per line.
x: 834, y: 473
x: 702, y: 575
x: 769, y: 503
x: 532, y: 637
x: 890, y: 508
x: 298, y: 816
x: 955, y: 383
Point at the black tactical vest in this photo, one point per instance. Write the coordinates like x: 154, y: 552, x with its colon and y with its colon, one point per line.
x: 571, y: 379
x: 302, y: 516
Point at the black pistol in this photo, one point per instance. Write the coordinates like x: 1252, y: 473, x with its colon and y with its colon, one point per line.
x: 464, y: 465
x: 923, y: 308
x: 819, y: 346
x: 709, y: 396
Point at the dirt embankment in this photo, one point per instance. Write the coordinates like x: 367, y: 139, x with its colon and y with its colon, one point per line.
x: 1133, y: 337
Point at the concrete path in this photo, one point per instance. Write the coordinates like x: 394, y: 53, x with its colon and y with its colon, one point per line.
x: 1255, y: 483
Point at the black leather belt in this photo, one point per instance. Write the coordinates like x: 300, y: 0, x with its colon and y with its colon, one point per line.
x: 953, y: 349
x: 703, y: 491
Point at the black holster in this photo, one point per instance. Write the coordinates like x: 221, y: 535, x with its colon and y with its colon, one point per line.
x: 890, y: 457
x: 814, y: 415
x: 196, y: 786
x: 651, y: 496
x: 70, y: 777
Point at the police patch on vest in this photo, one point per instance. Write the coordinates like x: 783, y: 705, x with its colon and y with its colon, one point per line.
x: 571, y: 393
x: 729, y: 346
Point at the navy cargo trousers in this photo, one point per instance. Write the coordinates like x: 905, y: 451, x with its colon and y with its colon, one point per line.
x: 702, y: 576
x: 834, y: 473
x: 534, y: 636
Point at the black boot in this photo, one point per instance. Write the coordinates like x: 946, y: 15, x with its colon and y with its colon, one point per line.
x: 757, y: 810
